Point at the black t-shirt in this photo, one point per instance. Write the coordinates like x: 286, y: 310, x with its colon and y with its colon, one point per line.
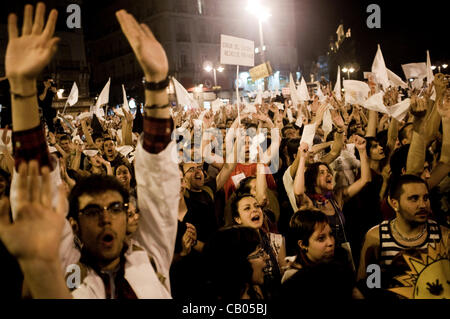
x: 328, y: 281
x: 201, y: 210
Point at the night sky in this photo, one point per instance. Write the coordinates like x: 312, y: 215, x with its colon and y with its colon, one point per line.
x: 408, y: 28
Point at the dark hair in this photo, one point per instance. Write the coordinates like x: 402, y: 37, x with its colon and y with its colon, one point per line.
x: 311, y: 173
x: 398, y: 160
x: 235, y: 202
x: 396, y: 189
x: 302, y: 226
x: 64, y: 137
x: 93, y: 185
x: 96, y: 136
x: 369, y: 141
x: 228, y: 269
x: 130, y: 170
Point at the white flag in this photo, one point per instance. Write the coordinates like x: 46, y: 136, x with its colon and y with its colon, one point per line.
x: 73, y: 96
x: 337, y: 86
x: 430, y: 76
x: 375, y: 103
x: 183, y: 97
x: 356, y: 92
x: 415, y: 70
x: 103, y: 98
x: 303, y: 93
x: 249, y: 108
x: 327, y: 123
x: 290, y: 116
x: 320, y: 93
x: 379, y: 68
x: 396, y: 80
x: 125, y: 101
x: 399, y: 110
x: 293, y: 90
x: 309, y: 131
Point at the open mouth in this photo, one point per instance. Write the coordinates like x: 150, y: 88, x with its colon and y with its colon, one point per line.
x: 256, y: 218
x: 107, y: 239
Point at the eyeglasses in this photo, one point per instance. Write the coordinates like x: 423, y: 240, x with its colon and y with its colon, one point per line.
x: 94, y: 211
x: 261, y: 252
x: 192, y: 169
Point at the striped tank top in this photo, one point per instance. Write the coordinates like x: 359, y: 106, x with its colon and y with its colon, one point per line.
x: 390, y: 247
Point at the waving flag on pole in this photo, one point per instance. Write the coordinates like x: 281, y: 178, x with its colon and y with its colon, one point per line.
x: 293, y: 90
x: 379, y: 69
x: 73, y: 96
x: 183, y: 96
x: 320, y: 93
x: 430, y: 76
x: 396, y: 80
x: 303, y: 93
x: 337, y: 86
x: 103, y: 98
x: 125, y: 101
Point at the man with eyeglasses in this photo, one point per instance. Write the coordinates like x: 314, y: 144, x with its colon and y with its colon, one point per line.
x: 40, y: 238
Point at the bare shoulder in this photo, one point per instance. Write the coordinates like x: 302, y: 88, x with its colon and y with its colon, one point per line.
x: 373, y: 236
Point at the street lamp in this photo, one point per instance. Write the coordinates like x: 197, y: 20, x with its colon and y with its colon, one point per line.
x: 348, y: 71
x: 208, y: 68
x: 262, y: 13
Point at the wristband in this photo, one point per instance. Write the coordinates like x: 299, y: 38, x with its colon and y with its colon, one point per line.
x: 156, y: 107
x: 21, y: 96
x: 157, y: 86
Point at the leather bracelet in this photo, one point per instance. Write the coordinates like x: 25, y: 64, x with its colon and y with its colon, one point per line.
x: 156, y: 107
x: 21, y: 96
x: 157, y: 86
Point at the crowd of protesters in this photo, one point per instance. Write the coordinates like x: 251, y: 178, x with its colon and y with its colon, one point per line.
x: 217, y: 204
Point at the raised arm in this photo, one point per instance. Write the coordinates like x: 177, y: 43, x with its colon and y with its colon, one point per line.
x: 338, y: 142
x: 299, y: 181
x: 157, y: 174
x: 366, y: 176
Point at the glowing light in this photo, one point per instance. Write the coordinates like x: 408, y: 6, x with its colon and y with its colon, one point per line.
x: 256, y: 8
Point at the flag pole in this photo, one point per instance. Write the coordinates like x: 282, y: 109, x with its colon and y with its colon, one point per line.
x: 237, y: 93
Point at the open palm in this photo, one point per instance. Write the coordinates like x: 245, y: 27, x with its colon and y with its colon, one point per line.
x: 27, y: 55
x: 148, y: 50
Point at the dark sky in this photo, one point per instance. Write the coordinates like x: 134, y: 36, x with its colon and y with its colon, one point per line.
x: 408, y: 28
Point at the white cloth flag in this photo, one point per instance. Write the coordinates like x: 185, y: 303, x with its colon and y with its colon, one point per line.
x: 327, y: 123
x: 415, y: 70
x: 125, y: 101
x: 396, y: 80
x: 73, y: 96
x: 303, y: 93
x: 294, y: 97
x: 399, y: 110
x: 356, y: 92
x: 379, y: 69
x: 183, y: 97
x: 337, y: 86
x: 103, y: 98
x: 430, y: 76
x: 309, y: 131
x: 299, y: 121
x: 319, y: 93
x: 375, y: 103
x: 266, y: 94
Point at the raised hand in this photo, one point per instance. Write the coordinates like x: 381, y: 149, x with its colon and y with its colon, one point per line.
x: 188, y: 240
x: 440, y: 84
x: 36, y: 233
x: 337, y: 119
x: 27, y: 55
x: 303, y: 149
x: 149, y: 52
x: 360, y: 143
